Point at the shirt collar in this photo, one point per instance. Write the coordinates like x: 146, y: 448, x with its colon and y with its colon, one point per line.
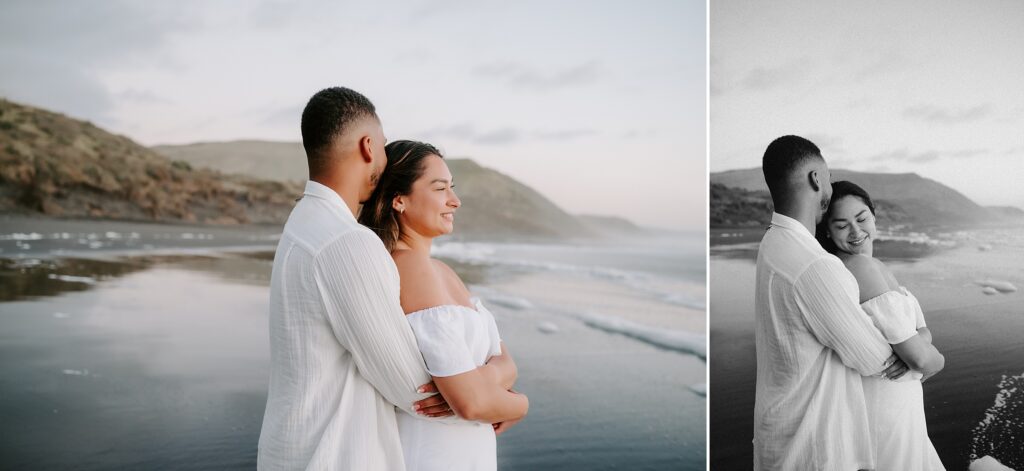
x: 319, y: 190
x: 786, y: 222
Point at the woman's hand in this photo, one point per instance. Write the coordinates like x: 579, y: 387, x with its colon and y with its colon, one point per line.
x: 895, y: 370
x: 433, y: 406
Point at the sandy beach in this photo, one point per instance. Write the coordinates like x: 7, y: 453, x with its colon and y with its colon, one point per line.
x: 114, y: 357
x: 978, y: 333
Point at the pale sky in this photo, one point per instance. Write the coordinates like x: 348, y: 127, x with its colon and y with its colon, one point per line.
x: 598, y: 105
x: 935, y: 88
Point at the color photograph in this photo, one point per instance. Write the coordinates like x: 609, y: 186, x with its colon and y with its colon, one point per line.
x: 243, y: 235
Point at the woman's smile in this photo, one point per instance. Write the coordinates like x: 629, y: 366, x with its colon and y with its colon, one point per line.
x: 858, y: 241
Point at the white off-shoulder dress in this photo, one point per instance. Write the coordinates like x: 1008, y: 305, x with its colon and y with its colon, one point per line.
x: 453, y: 339
x: 896, y: 408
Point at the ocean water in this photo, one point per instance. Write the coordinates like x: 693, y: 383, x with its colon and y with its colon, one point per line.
x: 150, y: 350
x: 973, y: 407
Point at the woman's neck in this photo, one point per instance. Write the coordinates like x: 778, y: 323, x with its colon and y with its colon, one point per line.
x: 414, y: 242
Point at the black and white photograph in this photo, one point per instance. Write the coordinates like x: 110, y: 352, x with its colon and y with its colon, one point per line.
x: 866, y: 235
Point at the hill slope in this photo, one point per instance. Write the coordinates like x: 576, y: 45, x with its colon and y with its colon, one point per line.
x: 903, y: 198
x: 59, y: 166
x: 266, y: 160
x: 494, y: 205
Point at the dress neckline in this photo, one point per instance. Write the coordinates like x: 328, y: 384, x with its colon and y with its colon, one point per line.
x: 901, y: 291
x: 474, y: 301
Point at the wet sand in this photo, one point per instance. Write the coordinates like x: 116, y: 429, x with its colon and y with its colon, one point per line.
x: 145, y: 362
x: 979, y: 335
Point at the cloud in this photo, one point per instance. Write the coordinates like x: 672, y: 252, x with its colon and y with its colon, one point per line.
x: 881, y: 65
x: 52, y: 50
x: 506, y: 135
x: 273, y: 14
x: 768, y: 78
x: 905, y: 155
x: 1014, y: 151
x: 284, y: 116
x: 563, y: 135
x: 430, y: 9
x: 939, y: 115
x: 764, y: 79
x: 498, y: 136
x: 141, y: 96
x: 468, y: 132
x: 826, y: 142
x: 520, y: 76
x: 56, y: 87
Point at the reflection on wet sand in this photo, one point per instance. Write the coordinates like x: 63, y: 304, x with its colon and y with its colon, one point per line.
x: 31, y: 278
x: 124, y: 358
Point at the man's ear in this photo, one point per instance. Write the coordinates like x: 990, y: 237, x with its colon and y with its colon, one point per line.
x: 814, y: 178
x: 366, y: 148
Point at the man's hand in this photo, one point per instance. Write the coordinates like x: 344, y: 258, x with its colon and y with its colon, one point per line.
x: 433, y: 406
x: 896, y: 370
x: 501, y: 427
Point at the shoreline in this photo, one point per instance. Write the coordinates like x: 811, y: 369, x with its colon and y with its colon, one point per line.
x: 977, y: 332
x: 162, y: 361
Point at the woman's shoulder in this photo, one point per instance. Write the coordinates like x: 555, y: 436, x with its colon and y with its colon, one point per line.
x: 870, y: 274
x: 411, y: 263
x: 450, y: 277
x: 421, y: 284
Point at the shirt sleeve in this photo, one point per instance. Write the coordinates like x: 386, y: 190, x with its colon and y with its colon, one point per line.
x: 359, y: 285
x: 828, y: 295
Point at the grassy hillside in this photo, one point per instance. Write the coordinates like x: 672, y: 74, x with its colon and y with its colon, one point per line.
x: 736, y: 207
x: 494, y: 205
x: 54, y: 165
x: 903, y: 198
x: 266, y: 160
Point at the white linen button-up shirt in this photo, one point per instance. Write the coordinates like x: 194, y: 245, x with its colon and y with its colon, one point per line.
x: 813, y: 343
x: 342, y: 354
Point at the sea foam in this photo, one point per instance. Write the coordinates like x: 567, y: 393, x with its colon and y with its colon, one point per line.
x: 681, y: 341
x: 998, y: 285
x: 484, y: 254
x: 1000, y: 433
x: 73, y: 279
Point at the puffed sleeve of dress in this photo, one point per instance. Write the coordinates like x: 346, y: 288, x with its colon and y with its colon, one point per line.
x: 441, y: 335
x: 895, y: 315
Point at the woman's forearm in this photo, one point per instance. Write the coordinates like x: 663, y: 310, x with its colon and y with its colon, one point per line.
x: 499, y: 406
x: 920, y: 355
x: 475, y: 396
x: 499, y: 373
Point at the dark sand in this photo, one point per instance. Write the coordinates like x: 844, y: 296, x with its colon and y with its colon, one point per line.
x: 979, y: 334
x: 160, y: 362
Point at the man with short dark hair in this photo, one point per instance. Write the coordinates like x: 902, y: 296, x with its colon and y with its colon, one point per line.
x: 813, y: 341
x: 342, y: 354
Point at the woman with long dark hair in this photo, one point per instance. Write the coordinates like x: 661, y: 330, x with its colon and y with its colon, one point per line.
x: 413, y: 203
x: 848, y: 231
